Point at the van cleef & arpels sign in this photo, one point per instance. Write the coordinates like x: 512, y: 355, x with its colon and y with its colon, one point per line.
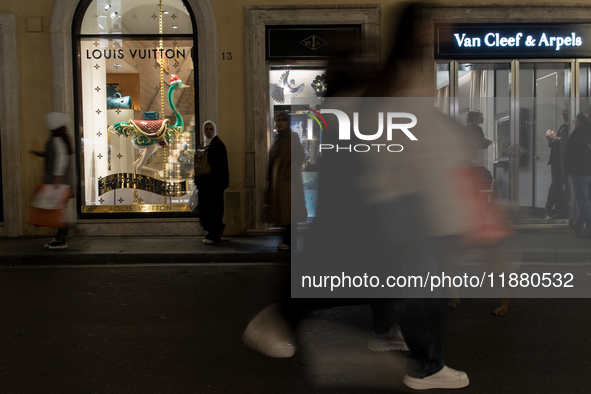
x: 462, y: 41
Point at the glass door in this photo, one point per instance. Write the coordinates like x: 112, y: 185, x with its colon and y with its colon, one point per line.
x: 545, y: 122
x: 583, y: 86
x: 525, y: 111
x: 306, y: 84
x: 483, y: 102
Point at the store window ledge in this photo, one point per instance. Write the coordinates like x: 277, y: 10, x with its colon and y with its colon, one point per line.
x: 138, y: 227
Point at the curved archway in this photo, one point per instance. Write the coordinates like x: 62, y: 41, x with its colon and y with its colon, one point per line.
x: 62, y: 65
x: 63, y: 72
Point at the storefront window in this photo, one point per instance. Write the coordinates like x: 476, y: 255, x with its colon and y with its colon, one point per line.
x: 136, y: 107
x: 304, y: 87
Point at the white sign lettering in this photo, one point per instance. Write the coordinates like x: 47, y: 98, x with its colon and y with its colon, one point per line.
x: 496, y: 40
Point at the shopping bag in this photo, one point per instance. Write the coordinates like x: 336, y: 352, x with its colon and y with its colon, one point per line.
x: 49, y: 206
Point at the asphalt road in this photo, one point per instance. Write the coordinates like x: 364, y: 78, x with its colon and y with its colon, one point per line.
x: 177, y: 328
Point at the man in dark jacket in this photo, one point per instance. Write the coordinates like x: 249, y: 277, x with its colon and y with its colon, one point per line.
x: 556, y: 203
x: 578, y: 166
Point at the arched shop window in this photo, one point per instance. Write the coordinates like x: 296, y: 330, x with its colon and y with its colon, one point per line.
x: 135, y: 112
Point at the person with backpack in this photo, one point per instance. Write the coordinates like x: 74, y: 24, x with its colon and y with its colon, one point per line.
x: 212, y: 177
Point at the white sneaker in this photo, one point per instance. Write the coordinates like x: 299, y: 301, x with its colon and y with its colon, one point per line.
x: 447, y: 378
x: 55, y: 244
x: 207, y: 241
x: 391, y: 340
x: 269, y: 333
x: 283, y: 246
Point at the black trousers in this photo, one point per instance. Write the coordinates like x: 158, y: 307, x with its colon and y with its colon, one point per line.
x: 62, y: 234
x: 557, y: 201
x: 210, y: 203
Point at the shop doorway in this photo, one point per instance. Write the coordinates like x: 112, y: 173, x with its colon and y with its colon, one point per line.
x: 307, y: 87
x: 520, y: 101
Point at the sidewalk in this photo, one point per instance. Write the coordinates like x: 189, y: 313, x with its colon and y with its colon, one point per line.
x: 142, y: 250
x: 539, y: 247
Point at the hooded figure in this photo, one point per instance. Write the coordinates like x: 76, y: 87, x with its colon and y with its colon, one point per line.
x: 211, y: 186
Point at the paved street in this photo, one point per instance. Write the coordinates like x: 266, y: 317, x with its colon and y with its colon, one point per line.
x: 176, y: 329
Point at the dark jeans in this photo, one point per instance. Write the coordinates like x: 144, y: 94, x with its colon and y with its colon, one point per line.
x: 422, y: 328
x: 421, y: 320
x: 582, y: 190
x: 211, y: 211
x: 421, y: 325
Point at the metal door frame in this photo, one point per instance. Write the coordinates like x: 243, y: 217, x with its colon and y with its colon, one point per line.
x: 515, y: 163
x: 513, y: 207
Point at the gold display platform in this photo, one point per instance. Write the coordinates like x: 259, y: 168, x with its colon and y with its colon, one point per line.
x: 142, y: 182
x: 136, y: 208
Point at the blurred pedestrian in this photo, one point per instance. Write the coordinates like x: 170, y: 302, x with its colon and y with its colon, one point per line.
x: 578, y: 166
x: 418, y: 215
x: 58, y: 168
x: 285, y: 197
x: 401, y: 203
x: 212, y: 177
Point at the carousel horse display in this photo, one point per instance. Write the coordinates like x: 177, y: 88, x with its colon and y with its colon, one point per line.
x: 152, y: 134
